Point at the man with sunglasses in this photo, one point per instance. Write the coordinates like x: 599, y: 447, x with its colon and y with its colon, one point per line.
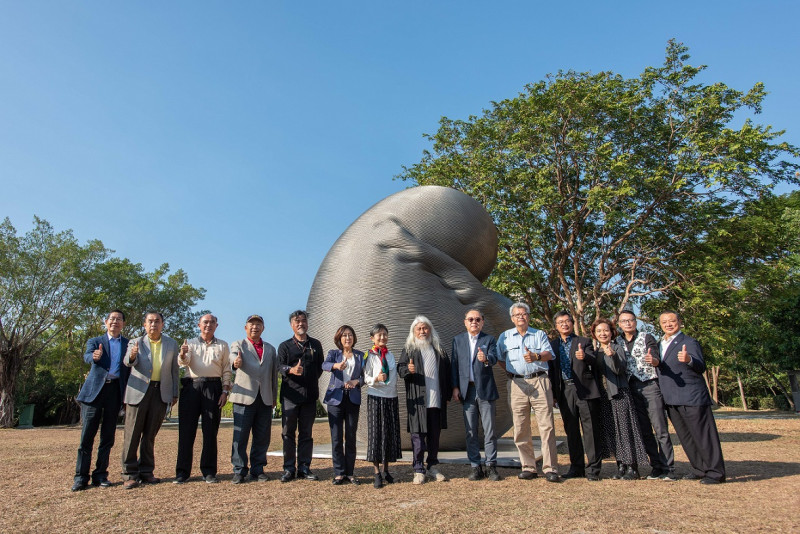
x: 471, y: 366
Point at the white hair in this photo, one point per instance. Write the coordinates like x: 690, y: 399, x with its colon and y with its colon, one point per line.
x: 411, y: 340
x: 517, y: 305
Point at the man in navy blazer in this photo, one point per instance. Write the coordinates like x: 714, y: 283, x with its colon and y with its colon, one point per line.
x: 680, y: 368
x: 471, y: 367
x: 101, y: 398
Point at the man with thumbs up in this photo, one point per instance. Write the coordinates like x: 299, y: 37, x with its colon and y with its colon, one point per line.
x: 680, y: 366
x: 204, y: 391
x: 573, y: 372
x: 101, y: 398
x: 640, y: 348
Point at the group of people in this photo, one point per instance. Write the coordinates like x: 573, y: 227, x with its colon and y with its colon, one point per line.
x: 614, y: 393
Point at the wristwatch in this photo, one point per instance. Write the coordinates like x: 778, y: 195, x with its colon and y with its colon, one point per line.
x: 538, y: 357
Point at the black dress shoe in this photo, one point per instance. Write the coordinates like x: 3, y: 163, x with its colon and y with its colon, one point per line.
x: 307, y: 474
x: 79, y: 486
x: 477, y: 474
x: 103, y: 483
x: 527, y: 475
x: 338, y: 481
x: 388, y: 478
x: 592, y: 478
x: 631, y: 474
x: 707, y: 480
x: 287, y: 476
x: 619, y: 473
x: 181, y: 479
x: 552, y: 476
x: 691, y: 476
x: 149, y: 479
x: 378, y: 481
x: 354, y: 481
x: 573, y: 474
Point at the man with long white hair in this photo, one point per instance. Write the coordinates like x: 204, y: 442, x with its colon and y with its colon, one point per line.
x: 425, y: 367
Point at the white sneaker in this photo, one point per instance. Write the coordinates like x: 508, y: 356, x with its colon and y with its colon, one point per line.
x: 436, y: 475
x: 419, y: 478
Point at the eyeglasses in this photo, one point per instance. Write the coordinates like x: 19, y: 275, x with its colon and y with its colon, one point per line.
x: 625, y: 321
x: 562, y: 323
x: 518, y: 315
x: 474, y: 319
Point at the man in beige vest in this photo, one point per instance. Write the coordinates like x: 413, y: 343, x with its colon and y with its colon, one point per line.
x: 254, y: 394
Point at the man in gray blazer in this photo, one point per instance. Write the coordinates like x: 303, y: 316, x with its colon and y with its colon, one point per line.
x: 152, y: 387
x: 254, y: 394
x: 471, y: 366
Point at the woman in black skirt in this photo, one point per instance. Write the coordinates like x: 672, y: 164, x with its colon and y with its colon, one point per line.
x: 620, y: 425
x: 383, y: 412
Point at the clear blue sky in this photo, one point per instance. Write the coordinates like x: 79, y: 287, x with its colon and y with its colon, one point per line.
x: 237, y: 140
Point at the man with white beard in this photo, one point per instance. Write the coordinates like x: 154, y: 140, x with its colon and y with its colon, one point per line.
x: 425, y: 367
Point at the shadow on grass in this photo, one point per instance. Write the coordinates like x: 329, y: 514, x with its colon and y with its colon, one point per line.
x: 738, y: 437
x: 750, y: 471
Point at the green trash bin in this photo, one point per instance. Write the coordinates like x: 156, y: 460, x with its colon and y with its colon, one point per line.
x: 26, y: 416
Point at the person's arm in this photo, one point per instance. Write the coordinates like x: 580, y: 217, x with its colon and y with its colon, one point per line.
x: 92, y: 345
x: 502, y: 352
x: 330, y: 360
x: 317, y: 358
x: 227, y: 373
x: 456, y: 393
x: 590, y: 355
x: 269, y: 347
x: 402, y: 365
x: 491, y: 351
x: 543, y: 347
x: 283, y: 360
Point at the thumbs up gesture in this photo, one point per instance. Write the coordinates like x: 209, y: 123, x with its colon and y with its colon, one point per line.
x: 185, y: 348
x: 579, y: 353
x: 237, y: 361
x: 97, y: 353
x: 297, y: 370
x: 650, y: 359
x: 481, y: 356
x: 411, y: 367
x: 608, y: 350
x: 683, y: 356
x: 134, y: 350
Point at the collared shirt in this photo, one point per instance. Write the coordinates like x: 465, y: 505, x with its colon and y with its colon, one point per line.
x: 155, y: 354
x: 473, y: 341
x: 563, y: 357
x: 115, y: 344
x: 511, y: 347
x: 635, y: 353
x: 350, y: 366
x: 208, y: 360
x: 665, y: 341
x: 259, y: 346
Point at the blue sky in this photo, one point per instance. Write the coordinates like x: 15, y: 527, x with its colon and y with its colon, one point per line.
x: 238, y: 140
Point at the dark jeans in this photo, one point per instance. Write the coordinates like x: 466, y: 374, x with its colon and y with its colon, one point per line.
x: 427, y: 441
x: 471, y: 406
x: 142, y: 423
x: 581, y: 414
x: 100, y: 414
x: 299, y: 419
x: 343, y: 415
x: 199, y: 399
x: 652, y: 416
x: 256, y: 417
x: 697, y: 431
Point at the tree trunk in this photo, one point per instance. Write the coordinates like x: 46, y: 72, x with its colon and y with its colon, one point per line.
x: 10, y: 364
x: 785, y: 392
x: 715, y: 382
x: 741, y: 391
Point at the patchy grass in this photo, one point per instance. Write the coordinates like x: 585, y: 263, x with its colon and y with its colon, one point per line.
x: 762, y: 458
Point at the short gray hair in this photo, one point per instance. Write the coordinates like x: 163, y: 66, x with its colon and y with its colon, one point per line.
x: 518, y: 305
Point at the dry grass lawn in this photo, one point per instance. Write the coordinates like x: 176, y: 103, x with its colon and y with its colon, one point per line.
x: 762, y: 494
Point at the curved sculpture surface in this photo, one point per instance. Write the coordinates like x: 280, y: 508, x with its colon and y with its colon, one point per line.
x: 422, y: 251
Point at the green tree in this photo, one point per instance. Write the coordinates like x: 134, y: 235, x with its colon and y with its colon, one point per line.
x: 600, y: 184
x: 54, y: 294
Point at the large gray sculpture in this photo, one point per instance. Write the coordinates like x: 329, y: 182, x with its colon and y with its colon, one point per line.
x: 422, y: 251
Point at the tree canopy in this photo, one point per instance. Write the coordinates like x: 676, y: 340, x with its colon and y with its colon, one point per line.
x: 600, y: 184
x: 54, y: 293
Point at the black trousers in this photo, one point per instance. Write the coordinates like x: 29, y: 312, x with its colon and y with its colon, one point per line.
x: 697, y: 431
x: 298, y: 419
x: 581, y: 414
x: 100, y: 414
x: 343, y: 421
x: 198, y: 399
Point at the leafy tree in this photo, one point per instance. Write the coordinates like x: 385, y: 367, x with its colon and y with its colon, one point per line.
x: 599, y: 184
x: 54, y: 293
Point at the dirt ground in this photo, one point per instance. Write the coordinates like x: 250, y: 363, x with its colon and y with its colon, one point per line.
x: 762, y: 457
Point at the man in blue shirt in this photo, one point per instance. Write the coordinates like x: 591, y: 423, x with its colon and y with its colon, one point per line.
x: 524, y: 353
x: 101, y: 398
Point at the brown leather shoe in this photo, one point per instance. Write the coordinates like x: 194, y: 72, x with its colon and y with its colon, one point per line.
x: 149, y: 479
x: 130, y: 484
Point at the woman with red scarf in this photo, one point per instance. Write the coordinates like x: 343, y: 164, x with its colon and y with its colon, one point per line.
x: 383, y: 413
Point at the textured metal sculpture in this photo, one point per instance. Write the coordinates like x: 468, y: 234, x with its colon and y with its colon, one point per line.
x: 422, y: 251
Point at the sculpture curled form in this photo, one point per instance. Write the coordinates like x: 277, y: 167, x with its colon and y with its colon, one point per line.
x: 422, y: 251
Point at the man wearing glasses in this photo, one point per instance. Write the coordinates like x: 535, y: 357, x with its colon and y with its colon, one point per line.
x: 474, y: 353
x: 523, y: 354
x: 300, y: 365
x: 647, y: 398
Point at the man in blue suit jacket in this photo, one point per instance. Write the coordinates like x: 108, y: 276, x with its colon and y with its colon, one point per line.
x: 471, y: 366
x: 101, y: 398
x: 680, y: 368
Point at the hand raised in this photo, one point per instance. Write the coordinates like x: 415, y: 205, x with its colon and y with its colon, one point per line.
x: 411, y: 367
x: 481, y: 356
x: 340, y: 366
x: 135, y: 350
x: 528, y: 355
x: 237, y: 361
x: 683, y: 356
x: 297, y: 370
x: 97, y: 353
x: 185, y: 348
x: 608, y: 350
x: 579, y: 354
x: 650, y: 359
